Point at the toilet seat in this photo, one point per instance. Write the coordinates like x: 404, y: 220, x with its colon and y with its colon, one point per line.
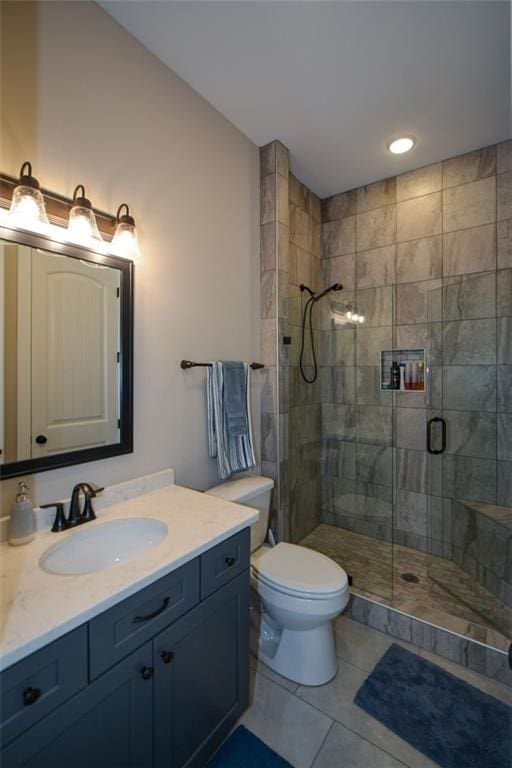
x: 298, y: 571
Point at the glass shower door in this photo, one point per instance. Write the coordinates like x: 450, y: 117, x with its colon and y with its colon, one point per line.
x: 469, y: 512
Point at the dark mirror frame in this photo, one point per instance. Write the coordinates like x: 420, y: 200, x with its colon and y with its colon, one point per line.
x: 125, y: 445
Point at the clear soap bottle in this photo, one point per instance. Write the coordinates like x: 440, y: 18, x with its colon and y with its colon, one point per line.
x: 22, y: 526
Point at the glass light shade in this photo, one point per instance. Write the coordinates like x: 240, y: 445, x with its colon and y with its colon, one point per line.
x: 82, y: 227
x: 124, y: 243
x: 27, y: 210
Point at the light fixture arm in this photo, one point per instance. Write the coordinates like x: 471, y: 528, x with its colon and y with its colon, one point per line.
x: 81, y: 200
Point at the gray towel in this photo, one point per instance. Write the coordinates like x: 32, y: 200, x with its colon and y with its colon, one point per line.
x: 235, y: 398
x: 234, y: 453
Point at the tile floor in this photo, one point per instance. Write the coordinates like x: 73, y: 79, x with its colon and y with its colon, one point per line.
x: 376, y: 568
x: 322, y: 727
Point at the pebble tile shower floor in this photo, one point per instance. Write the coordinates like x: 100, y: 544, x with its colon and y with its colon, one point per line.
x: 377, y: 566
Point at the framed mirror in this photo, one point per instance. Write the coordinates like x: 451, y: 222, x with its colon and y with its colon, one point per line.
x: 66, y: 354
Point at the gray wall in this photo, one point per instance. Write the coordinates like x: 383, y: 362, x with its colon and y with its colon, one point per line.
x: 131, y: 130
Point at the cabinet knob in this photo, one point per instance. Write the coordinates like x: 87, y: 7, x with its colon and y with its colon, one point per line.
x: 41, y: 439
x: 30, y: 696
x: 230, y: 561
x: 167, y: 656
x: 147, y: 673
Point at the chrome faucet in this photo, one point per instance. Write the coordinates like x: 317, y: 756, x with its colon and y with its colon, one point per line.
x: 76, y: 516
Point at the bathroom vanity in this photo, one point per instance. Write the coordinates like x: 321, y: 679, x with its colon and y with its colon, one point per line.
x: 157, y: 678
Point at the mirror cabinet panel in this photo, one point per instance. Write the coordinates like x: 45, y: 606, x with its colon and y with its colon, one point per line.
x: 66, y: 340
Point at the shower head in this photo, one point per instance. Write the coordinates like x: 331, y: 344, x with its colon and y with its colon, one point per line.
x: 334, y: 287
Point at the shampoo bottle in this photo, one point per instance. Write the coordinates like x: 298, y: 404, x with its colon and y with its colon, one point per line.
x: 395, y: 375
x: 402, y: 376
x: 420, y: 384
x: 22, y: 528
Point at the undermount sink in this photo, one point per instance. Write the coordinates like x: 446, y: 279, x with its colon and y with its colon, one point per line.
x: 103, y: 545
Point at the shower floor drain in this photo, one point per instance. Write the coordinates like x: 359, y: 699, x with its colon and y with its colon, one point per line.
x: 410, y: 577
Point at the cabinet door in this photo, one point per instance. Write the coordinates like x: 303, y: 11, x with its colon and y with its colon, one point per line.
x: 202, y: 677
x: 106, y: 725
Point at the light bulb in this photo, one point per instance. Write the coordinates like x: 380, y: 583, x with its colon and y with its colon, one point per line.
x: 24, y: 211
x: 82, y: 227
x: 348, y: 315
x: 27, y: 210
x: 355, y: 317
x: 124, y: 243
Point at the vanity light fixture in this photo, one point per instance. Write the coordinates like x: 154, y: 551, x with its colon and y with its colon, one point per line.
x: 27, y: 209
x: 124, y: 243
x: 82, y: 227
x: 401, y: 144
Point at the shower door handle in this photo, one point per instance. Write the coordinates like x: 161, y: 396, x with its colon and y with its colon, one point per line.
x: 429, y: 435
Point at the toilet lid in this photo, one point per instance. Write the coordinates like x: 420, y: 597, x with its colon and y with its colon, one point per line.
x: 299, y: 569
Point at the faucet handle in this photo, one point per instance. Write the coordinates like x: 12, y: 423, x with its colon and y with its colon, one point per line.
x: 60, y: 523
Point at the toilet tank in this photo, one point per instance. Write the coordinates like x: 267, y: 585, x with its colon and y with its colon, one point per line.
x: 251, y: 491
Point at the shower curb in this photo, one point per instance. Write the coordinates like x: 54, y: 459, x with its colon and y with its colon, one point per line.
x: 462, y: 650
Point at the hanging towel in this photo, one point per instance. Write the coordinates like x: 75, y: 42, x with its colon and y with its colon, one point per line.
x: 235, y: 398
x: 229, y: 417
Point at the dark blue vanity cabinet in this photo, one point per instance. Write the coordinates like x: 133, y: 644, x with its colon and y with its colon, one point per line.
x: 156, y: 681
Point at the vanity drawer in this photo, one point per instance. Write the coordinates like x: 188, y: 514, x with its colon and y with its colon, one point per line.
x: 33, y: 687
x: 224, y: 561
x: 121, y: 629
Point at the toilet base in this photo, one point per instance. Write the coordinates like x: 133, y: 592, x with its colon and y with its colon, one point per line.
x: 305, y: 656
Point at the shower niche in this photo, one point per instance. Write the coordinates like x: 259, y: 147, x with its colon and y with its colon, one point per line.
x: 402, y: 370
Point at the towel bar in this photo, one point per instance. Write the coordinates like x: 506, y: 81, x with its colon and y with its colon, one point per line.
x: 185, y: 364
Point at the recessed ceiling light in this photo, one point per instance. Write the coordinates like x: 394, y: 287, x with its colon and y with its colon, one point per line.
x: 402, y: 144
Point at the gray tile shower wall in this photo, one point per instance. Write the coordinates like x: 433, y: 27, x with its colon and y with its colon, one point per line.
x: 427, y: 258
x: 274, y: 224
x: 305, y: 402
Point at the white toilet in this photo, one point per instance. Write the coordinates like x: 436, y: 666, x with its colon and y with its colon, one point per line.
x: 300, y: 590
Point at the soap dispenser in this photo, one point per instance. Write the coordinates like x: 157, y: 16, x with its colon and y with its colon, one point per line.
x: 22, y: 525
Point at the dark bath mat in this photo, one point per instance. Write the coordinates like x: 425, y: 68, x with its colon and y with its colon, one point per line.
x: 450, y: 721
x: 244, y: 750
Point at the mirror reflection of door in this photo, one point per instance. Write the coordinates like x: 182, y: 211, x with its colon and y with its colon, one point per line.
x: 75, y: 345
x: 59, y: 371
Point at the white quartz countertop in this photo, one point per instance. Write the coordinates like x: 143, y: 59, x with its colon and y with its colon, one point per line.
x: 38, y: 607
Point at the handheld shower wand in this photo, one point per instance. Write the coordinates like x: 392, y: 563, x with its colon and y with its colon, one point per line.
x: 310, y: 303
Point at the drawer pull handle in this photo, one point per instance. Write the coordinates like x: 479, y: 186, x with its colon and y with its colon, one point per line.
x: 230, y: 561
x: 167, y: 656
x: 30, y: 696
x: 147, y: 673
x: 140, y: 619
